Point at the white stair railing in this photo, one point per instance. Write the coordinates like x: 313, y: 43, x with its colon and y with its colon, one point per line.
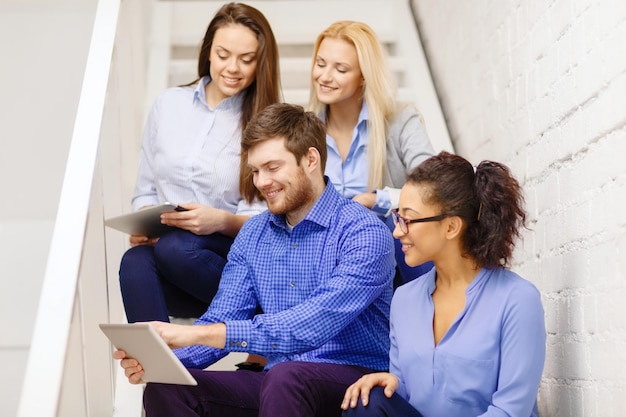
x: 70, y: 371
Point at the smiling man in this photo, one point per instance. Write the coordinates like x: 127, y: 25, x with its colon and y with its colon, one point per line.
x: 319, y: 266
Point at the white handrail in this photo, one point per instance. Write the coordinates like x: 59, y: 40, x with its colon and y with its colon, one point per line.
x: 45, y: 368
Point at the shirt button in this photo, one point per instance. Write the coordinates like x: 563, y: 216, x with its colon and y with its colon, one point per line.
x: 294, y: 245
x: 273, y: 346
x: 244, y: 344
x: 293, y: 284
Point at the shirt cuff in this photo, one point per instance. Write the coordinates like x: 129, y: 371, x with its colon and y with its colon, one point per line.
x: 383, y: 203
x: 238, y: 335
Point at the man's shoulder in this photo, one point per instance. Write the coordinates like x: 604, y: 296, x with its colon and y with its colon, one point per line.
x: 252, y: 232
x: 350, y: 206
x: 332, y: 208
x: 350, y: 212
x: 256, y: 222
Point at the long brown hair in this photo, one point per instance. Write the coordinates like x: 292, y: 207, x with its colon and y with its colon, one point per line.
x: 265, y: 89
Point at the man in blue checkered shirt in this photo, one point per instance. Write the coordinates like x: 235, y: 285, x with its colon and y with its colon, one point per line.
x: 319, y: 266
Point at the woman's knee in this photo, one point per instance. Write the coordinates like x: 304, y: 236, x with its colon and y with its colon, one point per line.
x: 377, y: 398
x: 137, y: 258
x: 173, y: 245
x: 379, y: 405
x: 138, y: 254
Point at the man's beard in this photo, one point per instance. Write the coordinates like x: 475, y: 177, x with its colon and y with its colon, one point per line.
x: 298, y: 195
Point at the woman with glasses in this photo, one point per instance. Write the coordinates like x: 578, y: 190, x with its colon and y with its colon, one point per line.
x: 468, y: 338
x: 373, y: 141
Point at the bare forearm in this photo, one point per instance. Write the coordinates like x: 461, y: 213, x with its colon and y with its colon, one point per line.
x: 213, y: 335
x: 176, y: 335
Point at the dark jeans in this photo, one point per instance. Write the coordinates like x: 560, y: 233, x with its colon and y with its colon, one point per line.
x: 405, y: 273
x: 381, y: 406
x: 177, y: 277
x: 289, y: 389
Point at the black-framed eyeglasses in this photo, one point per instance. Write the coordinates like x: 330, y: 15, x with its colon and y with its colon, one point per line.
x: 403, y: 222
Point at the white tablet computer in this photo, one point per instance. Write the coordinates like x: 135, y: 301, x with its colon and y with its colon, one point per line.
x: 142, y: 342
x: 144, y: 222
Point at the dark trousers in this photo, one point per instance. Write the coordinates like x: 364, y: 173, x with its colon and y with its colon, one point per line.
x: 381, y: 406
x: 289, y: 389
x: 177, y: 277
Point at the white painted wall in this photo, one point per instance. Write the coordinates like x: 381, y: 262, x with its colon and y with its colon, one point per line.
x: 541, y: 86
x: 43, y: 47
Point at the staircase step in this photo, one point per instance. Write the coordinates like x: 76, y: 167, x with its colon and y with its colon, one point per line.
x: 296, y: 24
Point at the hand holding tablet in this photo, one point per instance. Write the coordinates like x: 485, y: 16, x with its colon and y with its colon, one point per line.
x: 145, y: 222
x: 141, y: 342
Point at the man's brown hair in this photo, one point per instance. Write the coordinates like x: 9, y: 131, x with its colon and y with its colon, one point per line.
x: 300, y: 130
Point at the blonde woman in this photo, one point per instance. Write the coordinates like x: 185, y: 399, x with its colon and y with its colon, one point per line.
x: 373, y: 141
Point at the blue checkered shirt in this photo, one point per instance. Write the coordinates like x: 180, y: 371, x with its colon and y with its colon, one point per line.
x: 324, y: 288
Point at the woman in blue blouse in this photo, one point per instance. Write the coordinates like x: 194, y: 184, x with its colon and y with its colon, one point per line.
x: 468, y: 338
x: 190, y: 156
x: 373, y: 141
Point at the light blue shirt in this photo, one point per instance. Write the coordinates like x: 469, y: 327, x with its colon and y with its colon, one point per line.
x: 350, y: 176
x: 325, y: 288
x: 489, y: 363
x: 407, y: 146
x: 190, y: 153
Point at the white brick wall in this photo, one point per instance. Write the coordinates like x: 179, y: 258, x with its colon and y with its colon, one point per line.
x: 541, y: 86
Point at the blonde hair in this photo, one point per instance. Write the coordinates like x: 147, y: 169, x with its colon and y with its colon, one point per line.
x: 378, y: 90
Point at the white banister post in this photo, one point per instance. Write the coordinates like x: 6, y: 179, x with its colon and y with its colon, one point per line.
x: 44, y: 372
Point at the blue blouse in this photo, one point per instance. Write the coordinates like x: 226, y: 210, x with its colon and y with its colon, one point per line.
x: 407, y: 146
x: 490, y: 361
x: 350, y: 176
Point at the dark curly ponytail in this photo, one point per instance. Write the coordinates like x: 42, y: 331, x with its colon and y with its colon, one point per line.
x: 487, y: 198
